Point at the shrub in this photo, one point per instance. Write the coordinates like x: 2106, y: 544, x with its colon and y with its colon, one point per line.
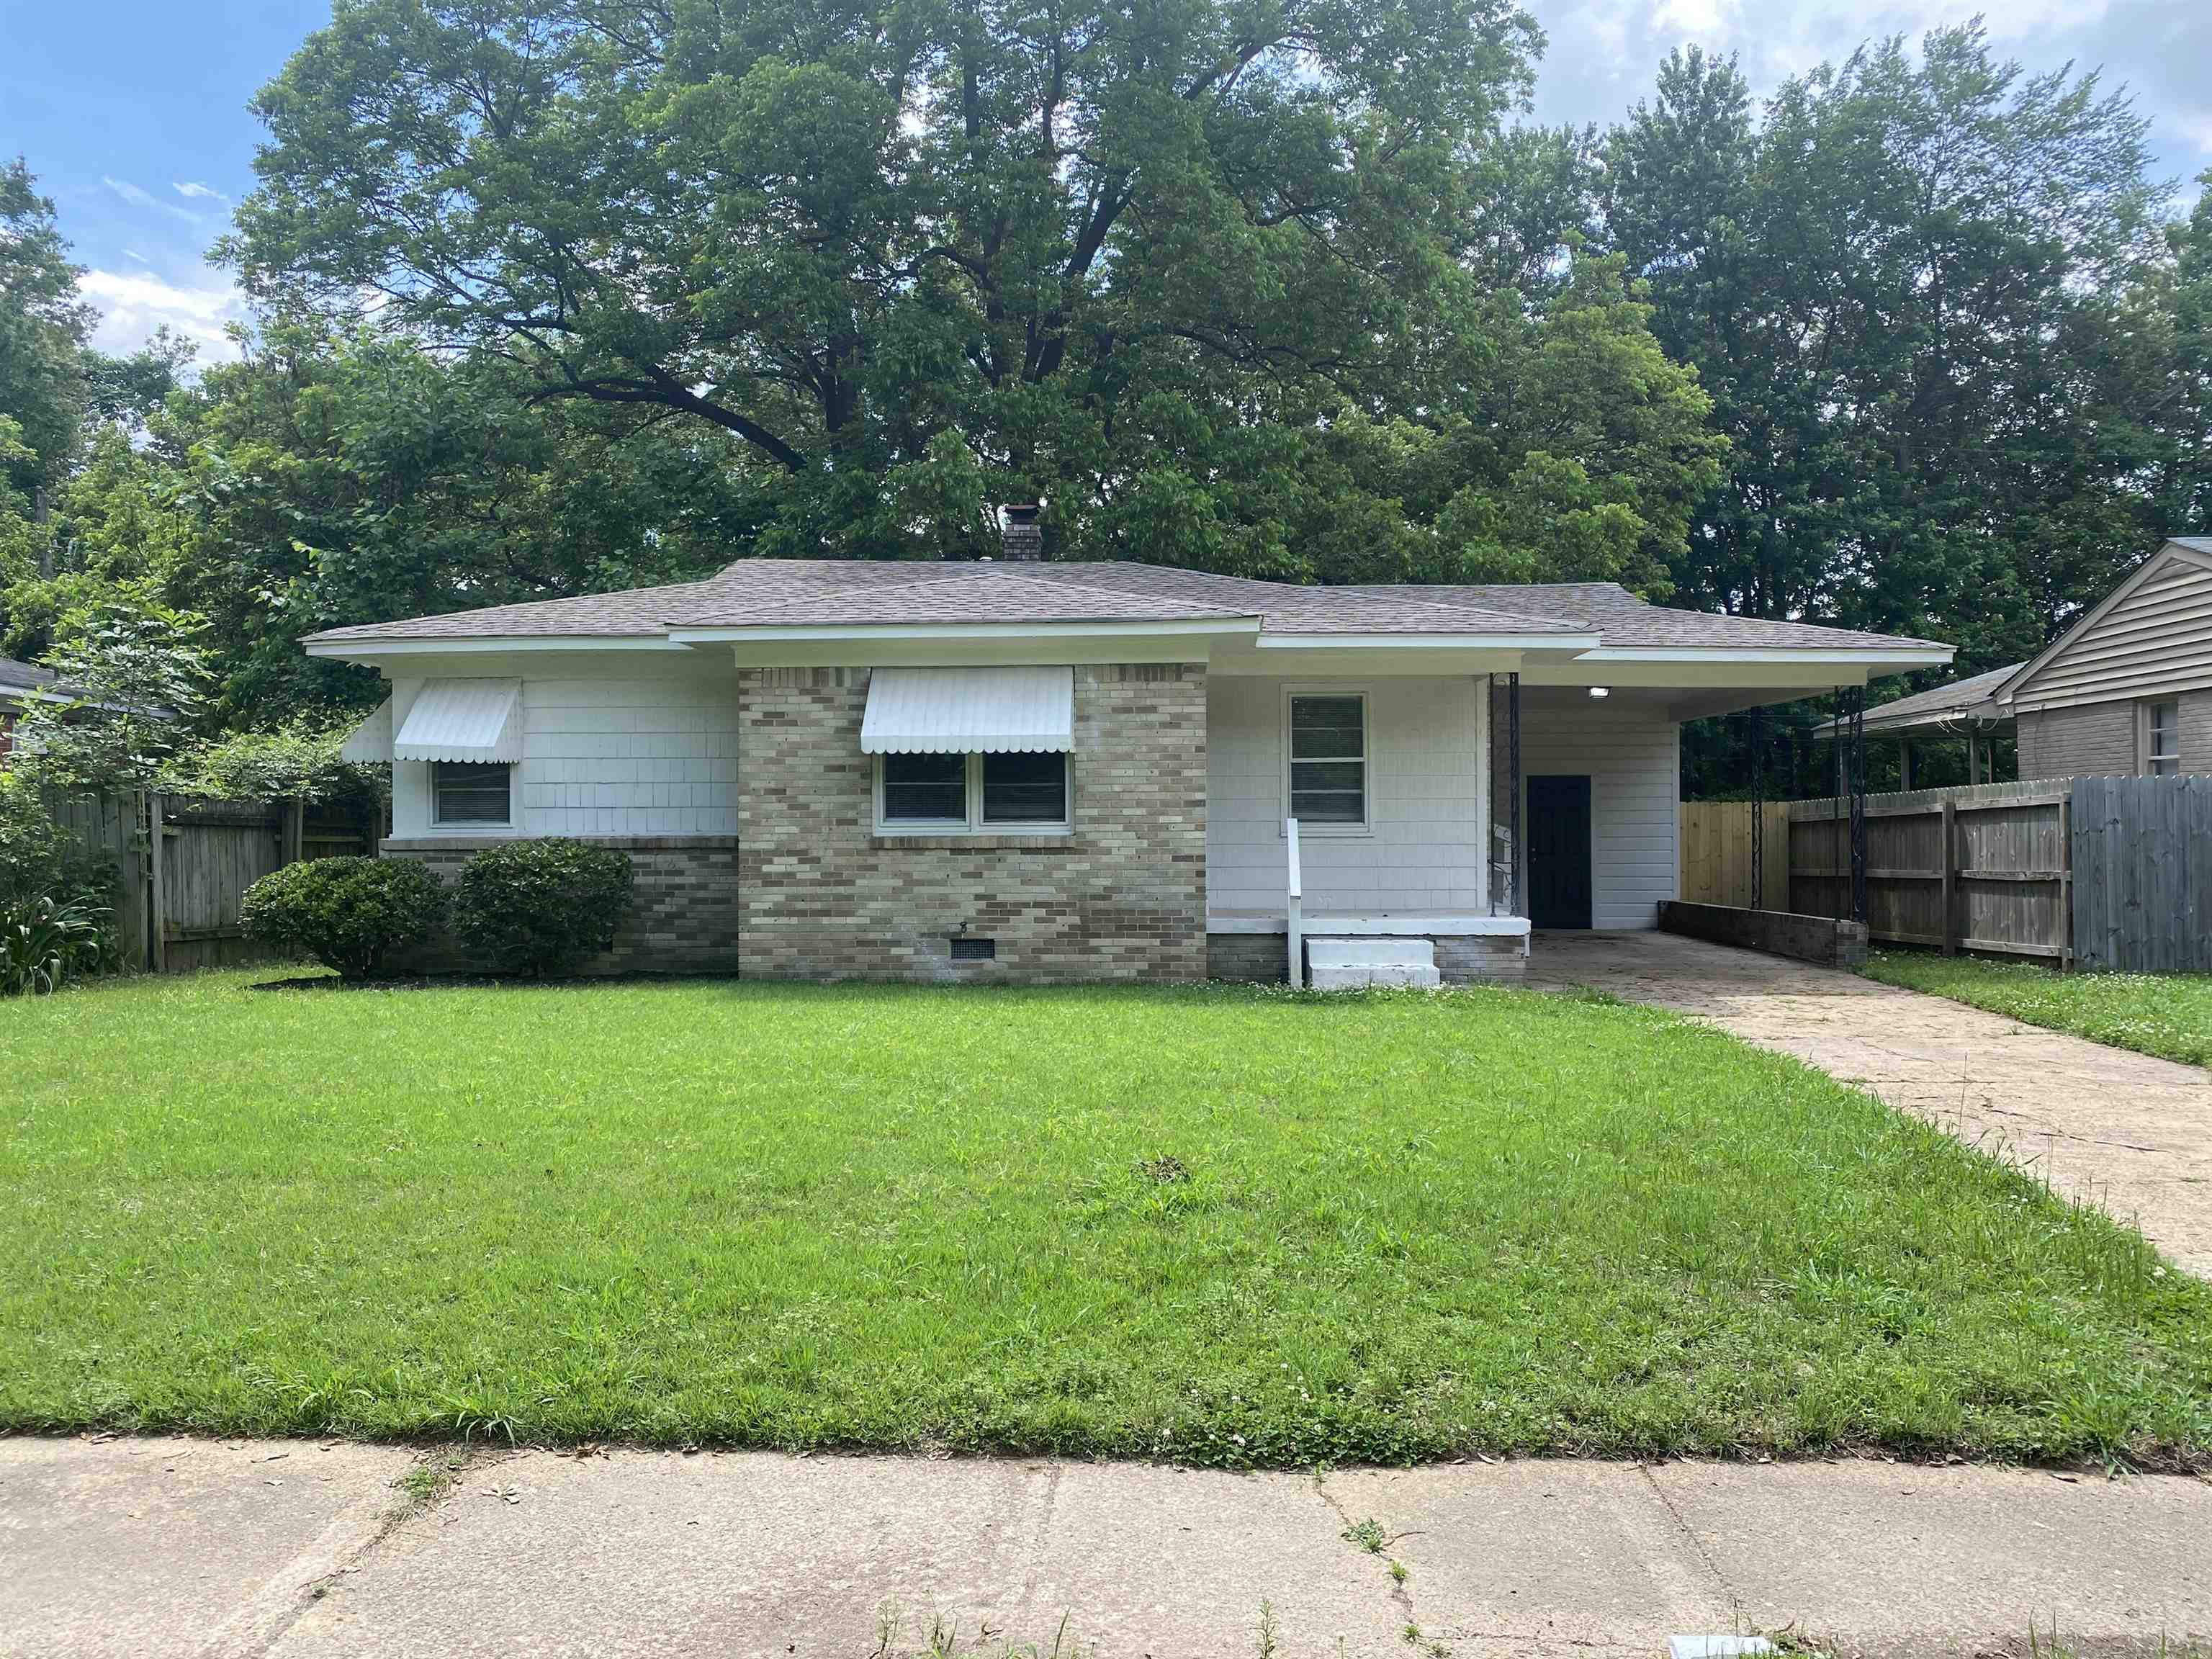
x: 38, y: 858
x: 541, y: 906
x: 45, y: 942
x: 347, y: 914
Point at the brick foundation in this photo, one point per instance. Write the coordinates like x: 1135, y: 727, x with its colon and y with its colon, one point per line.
x: 683, y: 914
x: 1122, y: 897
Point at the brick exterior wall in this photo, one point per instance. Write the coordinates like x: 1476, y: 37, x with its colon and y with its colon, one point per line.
x: 684, y: 915
x: 1122, y: 897
x: 2092, y: 739
x: 1461, y: 958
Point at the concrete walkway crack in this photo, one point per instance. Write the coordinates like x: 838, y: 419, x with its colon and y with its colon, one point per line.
x: 1689, y: 1534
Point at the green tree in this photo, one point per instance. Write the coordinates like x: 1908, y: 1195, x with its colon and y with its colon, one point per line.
x: 1172, y: 268
x: 1922, y: 292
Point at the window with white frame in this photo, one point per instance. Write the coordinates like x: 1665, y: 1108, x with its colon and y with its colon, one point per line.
x: 1327, y: 784
x: 2162, y: 739
x: 957, y: 793
x: 471, y: 791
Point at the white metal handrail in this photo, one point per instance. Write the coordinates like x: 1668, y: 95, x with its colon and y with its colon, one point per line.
x: 1297, y: 909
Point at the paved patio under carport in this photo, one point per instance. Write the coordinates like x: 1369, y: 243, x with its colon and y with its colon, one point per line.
x: 2129, y: 1131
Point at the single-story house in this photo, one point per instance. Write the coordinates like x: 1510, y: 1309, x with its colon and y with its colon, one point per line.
x: 1965, y: 709
x: 2128, y: 689
x: 22, y: 683
x: 2125, y: 692
x: 1019, y: 770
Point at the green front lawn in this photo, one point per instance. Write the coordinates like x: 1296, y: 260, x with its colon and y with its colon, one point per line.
x: 1218, y: 1226
x: 2169, y: 1015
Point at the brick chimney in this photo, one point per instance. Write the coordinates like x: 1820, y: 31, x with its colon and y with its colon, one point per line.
x: 1020, y: 538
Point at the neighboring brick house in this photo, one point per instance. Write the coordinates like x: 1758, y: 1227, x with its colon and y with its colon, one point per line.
x: 2128, y: 689
x: 1026, y: 771
x: 2125, y: 692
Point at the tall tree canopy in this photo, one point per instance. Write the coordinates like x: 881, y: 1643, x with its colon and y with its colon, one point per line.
x: 1931, y: 299
x: 1161, y: 265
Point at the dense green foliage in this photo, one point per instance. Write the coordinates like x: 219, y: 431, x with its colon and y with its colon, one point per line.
x: 38, y: 858
x: 1215, y: 1225
x: 2169, y: 1015
x: 541, y: 907
x: 45, y: 942
x: 1188, y: 273
x: 1940, y: 320
x: 595, y: 293
x: 348, y: 913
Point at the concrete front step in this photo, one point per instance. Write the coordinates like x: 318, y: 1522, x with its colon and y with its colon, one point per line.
x: 1352, y: 964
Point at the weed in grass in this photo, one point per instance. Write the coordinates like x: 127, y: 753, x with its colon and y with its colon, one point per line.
x: 428, y: 1481
x: 1405, y: 1227
x: 1367, y: 1534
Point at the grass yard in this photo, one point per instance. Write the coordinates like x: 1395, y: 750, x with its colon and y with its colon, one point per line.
x: 1213, y: 1226
x: 2169, y: 1015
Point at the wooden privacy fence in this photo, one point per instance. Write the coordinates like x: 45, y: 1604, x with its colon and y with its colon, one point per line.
x: 178, y: 895
x: 1713, y: 860
x: 2143, y: 874
x: 2108, y: 873
x: 1985, y: 867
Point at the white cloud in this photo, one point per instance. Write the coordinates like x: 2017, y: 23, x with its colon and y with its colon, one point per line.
x: 193, y: 187
x: 2196, y: 128
x: 133, y: 304
x: 144, y: 198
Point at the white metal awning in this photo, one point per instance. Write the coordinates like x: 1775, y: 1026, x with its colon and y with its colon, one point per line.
x: 462, y: 721
x: 958, y: 711
x: 372, y: 740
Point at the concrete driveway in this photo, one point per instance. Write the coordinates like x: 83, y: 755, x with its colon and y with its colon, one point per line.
x: 2106, y: 1125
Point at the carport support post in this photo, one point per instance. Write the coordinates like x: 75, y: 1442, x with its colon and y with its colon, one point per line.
x: 1856, y: 704
x: 1513, y: 784
x: 1758, y: 809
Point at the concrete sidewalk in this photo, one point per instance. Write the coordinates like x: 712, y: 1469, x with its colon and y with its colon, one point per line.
x: 294, y: 1549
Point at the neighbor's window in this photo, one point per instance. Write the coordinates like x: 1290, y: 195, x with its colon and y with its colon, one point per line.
x: 467, y: 792
x: 973, y: 792
x: 2163, y: 740
x: 1329, y: 759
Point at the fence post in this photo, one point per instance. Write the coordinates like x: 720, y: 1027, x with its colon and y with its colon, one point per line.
x: 157, y: 903
x: 295, y: 832
x: 1950, y: 867
x: 2066, y: 880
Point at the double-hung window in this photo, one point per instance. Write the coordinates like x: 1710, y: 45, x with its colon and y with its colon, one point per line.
x: 471, y: 791
x: 1328, y: 764
x: 2162, y: 739
x: 1016, y: 792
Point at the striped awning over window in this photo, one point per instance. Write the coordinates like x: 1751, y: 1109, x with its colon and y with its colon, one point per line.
x: 963, y: 711
x: 462, y: 721
x: 372, y: 740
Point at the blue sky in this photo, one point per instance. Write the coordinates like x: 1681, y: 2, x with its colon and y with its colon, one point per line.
x: 132, y: 112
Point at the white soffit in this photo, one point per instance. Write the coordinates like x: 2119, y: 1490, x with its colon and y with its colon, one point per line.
x: 372, y: 740
x: 958, y: 711
x: 462, y: 721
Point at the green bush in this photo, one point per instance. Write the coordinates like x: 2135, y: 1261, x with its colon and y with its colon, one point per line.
x: 38, y: 858
x: 540, y: 907
x: 347, y: 914
x: 45, y: 942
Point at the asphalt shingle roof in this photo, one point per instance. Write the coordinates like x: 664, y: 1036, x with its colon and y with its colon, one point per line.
x: 834, y: 593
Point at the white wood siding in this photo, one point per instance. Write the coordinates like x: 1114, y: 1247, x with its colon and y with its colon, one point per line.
x: 613, y: 756
x: 1633, y: 758
x: 1428, y: 800
x: 2155, y: 640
